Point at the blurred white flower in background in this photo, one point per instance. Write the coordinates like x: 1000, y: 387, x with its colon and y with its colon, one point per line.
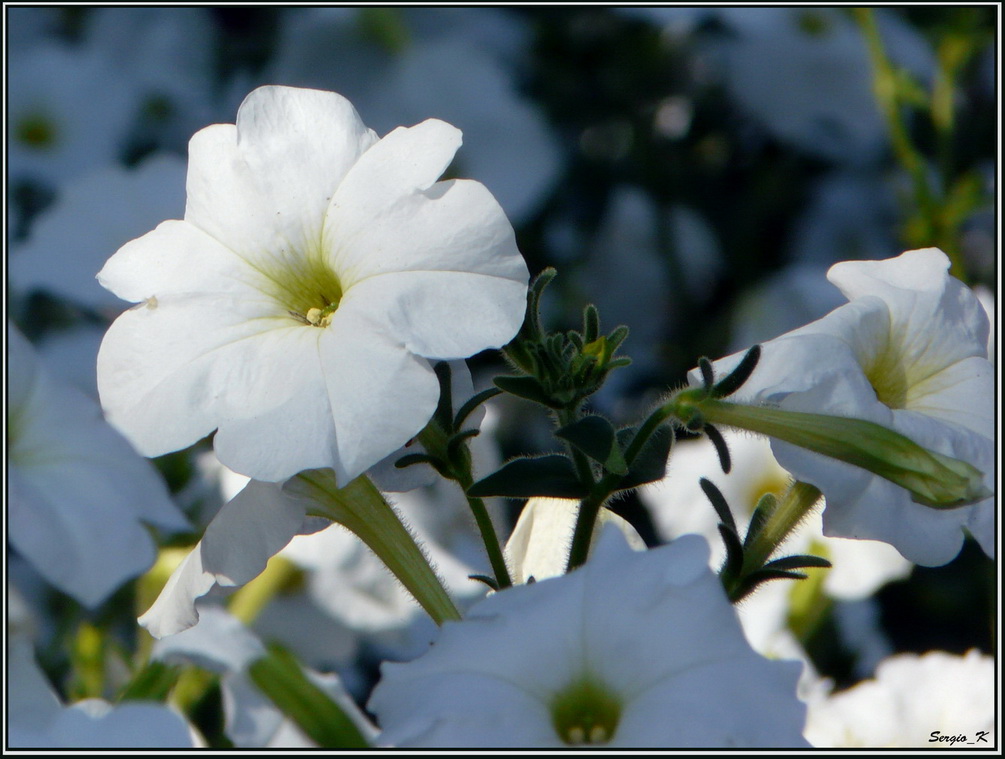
x: 400, y: 66
x: 68, y: 110
x: 70, y: 241
x: 826, y: 106
x: 221, y: 643
x: 80, y: 498
x: 296, y: 307
x: 914, y: 701
x: 36, y: 718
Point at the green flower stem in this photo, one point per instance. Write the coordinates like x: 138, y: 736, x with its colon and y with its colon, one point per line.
x: 361, y: 508
x: 457, y: 467
x: 935, y: 229
x: 794, y: 506
x: 589, y: 508
x: 488, y: 532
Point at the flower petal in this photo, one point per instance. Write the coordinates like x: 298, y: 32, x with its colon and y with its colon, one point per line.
x: 381, y: 395
x: 264, y: 183
x: 443, y: 314
x: 249, y: 530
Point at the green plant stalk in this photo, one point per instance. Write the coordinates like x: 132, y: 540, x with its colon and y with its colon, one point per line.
x: 794, y: 506
x: 487, y: 530
x: 589, y: 508
x: 885, y: 87
x: 433, y: 440
x: 361, y: 508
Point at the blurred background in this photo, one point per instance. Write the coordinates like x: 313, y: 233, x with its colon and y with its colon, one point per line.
x: 691, y: 171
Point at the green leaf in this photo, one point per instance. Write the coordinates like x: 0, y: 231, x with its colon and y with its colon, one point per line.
x: 490, y: 581
x: 279, y: 676
x: 798, y: 562
x: 651, y: 462
x: 595, y: 436
x: 526, y: 387
x: 552, y: 476
x: 152, y: 683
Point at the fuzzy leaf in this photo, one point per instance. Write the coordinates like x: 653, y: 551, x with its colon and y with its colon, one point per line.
x: 552, y: 476
x: 651, y: 462
x: 595, y: 436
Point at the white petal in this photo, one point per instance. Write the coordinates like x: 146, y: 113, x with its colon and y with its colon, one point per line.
x: 381, y: 395
x: 450, y: 226
x: 244, y: 535
x: 442, y: 314
x: 168, y: 374
x: 176, y: 258
x: 265, y: 183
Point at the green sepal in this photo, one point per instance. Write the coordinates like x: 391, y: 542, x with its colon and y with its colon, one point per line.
x: 766, y: 504
x: 733, y: 564
x: 800, y: 561
x: 751, y: 581
x: 707, y: 375
x: 279, y: 676
x: 718, y: 502
x: 551, y: 476
x: 485, y: 579
x: 595, y: 436
x: 650, y: 464
x: 472, y: 403
x: 151, y: 683
x: 591, y: 323
x: 444, y: 414
x: 735, y: 379
x: 721, y: 449
x: 526, y: 387
x: 414, y: 458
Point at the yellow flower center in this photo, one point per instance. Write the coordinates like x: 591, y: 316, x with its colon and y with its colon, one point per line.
x: 305, y: 286
x: 585, y: 713
x: 887, y: 373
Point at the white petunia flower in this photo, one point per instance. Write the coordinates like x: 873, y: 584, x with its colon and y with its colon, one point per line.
x: 78, y: 494
x: 297, y: 305
x: 634, y: 649
x: 909, y: 352
x: 938, y: 701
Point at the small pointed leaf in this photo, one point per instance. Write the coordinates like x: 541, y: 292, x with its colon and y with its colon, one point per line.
x: 798, y: 562
x: 651, y: 462
x: 735, y: 379
x: 718, y: 502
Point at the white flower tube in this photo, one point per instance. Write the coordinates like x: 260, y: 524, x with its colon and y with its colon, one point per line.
x: 296, y: 307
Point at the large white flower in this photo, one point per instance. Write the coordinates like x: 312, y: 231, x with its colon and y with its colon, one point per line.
x: 78, y: 494
x: 295, y: 307
x: 909, y: 352
x: 633, y: 649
